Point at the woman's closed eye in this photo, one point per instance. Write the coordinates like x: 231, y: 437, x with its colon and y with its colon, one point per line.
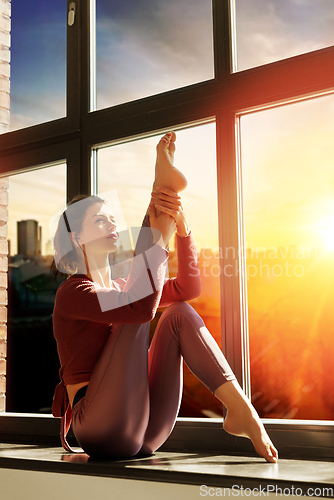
x: 104, y: 220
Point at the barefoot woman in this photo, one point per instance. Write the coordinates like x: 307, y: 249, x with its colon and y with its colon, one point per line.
x: 123, y: 397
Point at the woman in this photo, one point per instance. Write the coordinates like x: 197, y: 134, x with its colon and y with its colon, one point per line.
x: 124, y: 397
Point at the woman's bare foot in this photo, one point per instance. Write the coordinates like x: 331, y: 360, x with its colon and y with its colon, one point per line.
x: 166, y: 175
x: 246, y: 423
x: 243, y: 420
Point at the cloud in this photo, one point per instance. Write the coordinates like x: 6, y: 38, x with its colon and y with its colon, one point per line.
x: 144, y: 50
x: 269, y: 30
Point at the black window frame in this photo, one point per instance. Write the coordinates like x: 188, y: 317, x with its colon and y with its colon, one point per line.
x: 224, y: 99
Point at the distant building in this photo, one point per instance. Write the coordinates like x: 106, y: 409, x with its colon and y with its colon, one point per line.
x: 48, y: 248
x: 29, y: 238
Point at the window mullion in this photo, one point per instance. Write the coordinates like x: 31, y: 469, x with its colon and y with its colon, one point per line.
x: 222, y: 42
x: 73, y: 68
x: 281, y: 82
x: 79, y: 96
x: 233, y: 342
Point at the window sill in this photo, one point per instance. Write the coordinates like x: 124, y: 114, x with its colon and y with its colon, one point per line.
x: 214, y: 470
x: 298, y: 439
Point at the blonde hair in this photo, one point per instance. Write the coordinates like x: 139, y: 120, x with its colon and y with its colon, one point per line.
x: 66, y: 255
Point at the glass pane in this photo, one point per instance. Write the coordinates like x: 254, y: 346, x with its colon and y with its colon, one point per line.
x: 144, y: 48
x: 288, y: 178
x: 32, y: 362
x: 269, y: 30
x: 37, y: 62
x: 129, y: 168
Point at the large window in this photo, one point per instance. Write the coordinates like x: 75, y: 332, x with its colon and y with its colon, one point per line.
x: 34, y: 198
x: 287, y: 165
x: 257, y: 158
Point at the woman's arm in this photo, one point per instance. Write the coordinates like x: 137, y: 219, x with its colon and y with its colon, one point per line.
x: 81, y: 299
x: 187, y: 284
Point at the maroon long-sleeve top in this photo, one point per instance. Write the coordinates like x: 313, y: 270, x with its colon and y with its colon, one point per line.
x: 84, y: 312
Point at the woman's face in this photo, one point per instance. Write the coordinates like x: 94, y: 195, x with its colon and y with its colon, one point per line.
x: 99, y: 232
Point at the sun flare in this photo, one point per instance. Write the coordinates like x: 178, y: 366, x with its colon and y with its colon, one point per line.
x: 328, y: 233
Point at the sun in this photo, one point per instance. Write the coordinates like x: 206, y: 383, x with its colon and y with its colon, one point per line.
x: 329, y: 240
x: 327, y: 232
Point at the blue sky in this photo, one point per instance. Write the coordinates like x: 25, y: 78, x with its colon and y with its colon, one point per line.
x: 38, y: 61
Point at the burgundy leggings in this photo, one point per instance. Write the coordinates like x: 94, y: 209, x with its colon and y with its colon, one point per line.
x: 134, y: 393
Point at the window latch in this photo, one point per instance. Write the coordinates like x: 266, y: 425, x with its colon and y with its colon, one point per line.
x: 71, y: 14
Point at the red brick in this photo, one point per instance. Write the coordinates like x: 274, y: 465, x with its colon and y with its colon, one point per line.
x: 2, y: 384
x: 5, y: 100
x: 3, y: 332
x: 3, y: 296
x: 4, y: 69
x: 4, y: 183
x: 3, y: 214
x: 2, y: 367
x: 5, y: 87
x: 3, y: 264
x: 2, y: 404
x: 3, y: 349
x: 3, y: 314
x: 4, y: 198
x: 3, y: 231
x: 3, y: 280
x: 3, y: 246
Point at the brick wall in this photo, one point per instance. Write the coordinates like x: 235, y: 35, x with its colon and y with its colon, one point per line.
x: 3, y: 287
x: 5, y: 7
x: 4, y: 64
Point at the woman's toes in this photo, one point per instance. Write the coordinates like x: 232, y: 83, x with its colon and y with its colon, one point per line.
x: 165, y: 141
x: 265, y: 448
x: 274, y: 454
x: 271, y: 458
x: 172, y: 136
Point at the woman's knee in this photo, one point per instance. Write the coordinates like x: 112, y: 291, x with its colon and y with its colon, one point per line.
x: 109, y: 446
x: 180, y: 307
x: 179, y: 313
x: 183, y: 309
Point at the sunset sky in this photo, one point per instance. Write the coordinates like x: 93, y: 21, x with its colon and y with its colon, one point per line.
x: 287, y: 153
